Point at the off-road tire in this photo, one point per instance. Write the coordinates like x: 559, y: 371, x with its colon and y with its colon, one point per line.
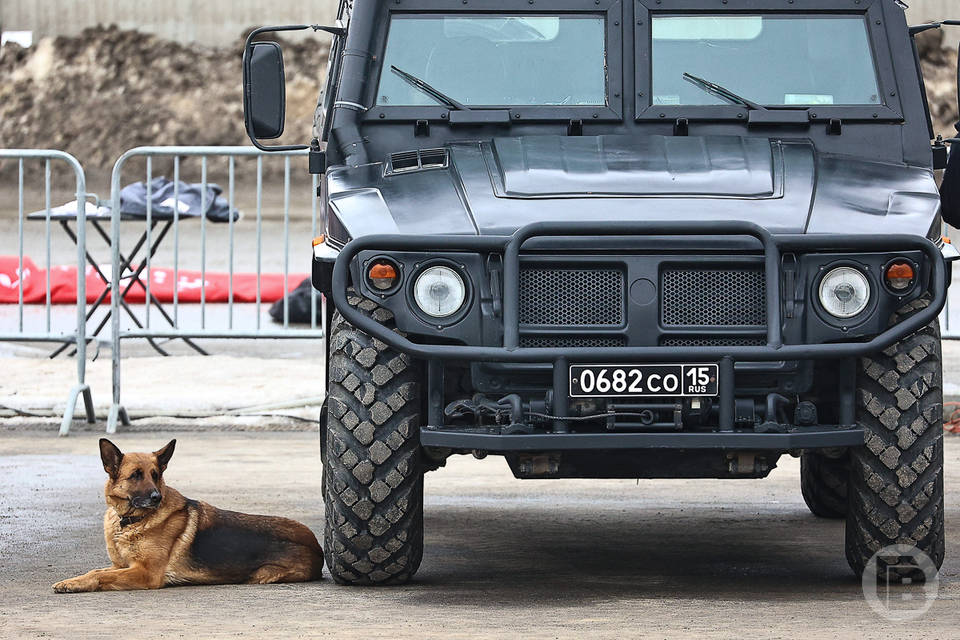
x: 823, y: 483
x: 373, y: 478
x: 896, y: 479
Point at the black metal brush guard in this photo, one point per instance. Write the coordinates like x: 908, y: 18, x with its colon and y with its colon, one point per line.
x: 846, y: 434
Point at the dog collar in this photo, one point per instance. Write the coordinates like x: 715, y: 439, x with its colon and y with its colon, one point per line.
x: 126, y: 521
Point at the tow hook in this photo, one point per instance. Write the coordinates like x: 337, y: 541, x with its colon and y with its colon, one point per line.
x: 747, y: 464
x: 538, y: 465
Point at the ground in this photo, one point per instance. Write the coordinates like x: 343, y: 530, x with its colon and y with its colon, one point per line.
x: 532, y: 559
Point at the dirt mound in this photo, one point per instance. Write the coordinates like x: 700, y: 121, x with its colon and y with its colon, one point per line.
x: 940, y: 74
x: 108, y: 90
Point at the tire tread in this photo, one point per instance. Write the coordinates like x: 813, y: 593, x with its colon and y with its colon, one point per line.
x: 373, y: 481
x: 823, y: 483
x: 896, y: 479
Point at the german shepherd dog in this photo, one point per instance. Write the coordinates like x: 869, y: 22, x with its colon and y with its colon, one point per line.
x: 158, y: 538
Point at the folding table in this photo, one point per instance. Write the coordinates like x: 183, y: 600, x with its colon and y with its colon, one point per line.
x: 99, y: 218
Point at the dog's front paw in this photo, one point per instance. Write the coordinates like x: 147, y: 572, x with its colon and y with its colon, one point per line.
x: 73, y: 585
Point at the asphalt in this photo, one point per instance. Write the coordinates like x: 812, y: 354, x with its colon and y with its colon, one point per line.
x: 504, y: 558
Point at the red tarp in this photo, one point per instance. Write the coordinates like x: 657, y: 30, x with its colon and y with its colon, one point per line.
x: 63, y: 284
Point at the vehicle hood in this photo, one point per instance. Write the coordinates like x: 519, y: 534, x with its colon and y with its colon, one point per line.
x: 499, y: 185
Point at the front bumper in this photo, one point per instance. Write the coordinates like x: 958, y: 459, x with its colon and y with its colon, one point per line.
x: 727, y: 436
x: 821, y: 437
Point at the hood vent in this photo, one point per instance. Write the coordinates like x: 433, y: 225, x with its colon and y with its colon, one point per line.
x: 408, y: 161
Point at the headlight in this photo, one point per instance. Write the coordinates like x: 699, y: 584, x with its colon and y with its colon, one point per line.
x: 439, y: 291
x: 844, y: 292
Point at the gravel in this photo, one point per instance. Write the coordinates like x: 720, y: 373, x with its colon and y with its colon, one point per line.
x: 108, y: 90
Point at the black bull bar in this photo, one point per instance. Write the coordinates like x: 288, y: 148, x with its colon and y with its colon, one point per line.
x: 509, y: 246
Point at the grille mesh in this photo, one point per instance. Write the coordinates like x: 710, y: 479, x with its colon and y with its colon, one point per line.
x: 571, y: 297
x: 713, y: 297
x: 571, y: 341
x: 703, y: 341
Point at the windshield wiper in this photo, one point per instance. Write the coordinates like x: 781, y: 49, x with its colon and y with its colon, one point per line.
x: 722, y: 92
x: 430, y: 90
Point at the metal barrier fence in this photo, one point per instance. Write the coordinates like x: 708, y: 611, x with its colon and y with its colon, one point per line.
x: 950, y: 320
x: 127, y: 270
x: 42, y: 330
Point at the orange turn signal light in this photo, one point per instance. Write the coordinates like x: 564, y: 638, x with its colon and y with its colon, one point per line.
x: 319, y: 240
x: 382, y: 275
x: 900, y: 275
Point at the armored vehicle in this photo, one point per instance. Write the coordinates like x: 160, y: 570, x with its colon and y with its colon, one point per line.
x: 625, y: 239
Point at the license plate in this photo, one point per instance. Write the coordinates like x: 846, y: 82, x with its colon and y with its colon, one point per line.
x: 643, y: 380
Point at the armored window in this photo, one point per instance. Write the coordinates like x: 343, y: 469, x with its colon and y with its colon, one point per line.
x: 775, y: 60
x: 496, y: 60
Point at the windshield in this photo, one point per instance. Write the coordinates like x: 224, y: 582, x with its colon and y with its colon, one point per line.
x: 771, y: 59
x: 496, y: 60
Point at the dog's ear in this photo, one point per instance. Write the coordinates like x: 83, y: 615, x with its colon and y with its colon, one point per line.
x: 111, y: 457
x: 164, y: 455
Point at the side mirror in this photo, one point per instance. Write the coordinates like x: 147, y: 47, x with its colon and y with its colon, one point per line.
x: 264, y: 87
x: 264, y: 90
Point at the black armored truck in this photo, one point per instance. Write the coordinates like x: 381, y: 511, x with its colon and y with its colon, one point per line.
x: 626, y: 239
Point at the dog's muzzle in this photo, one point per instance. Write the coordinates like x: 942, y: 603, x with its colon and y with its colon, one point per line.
x: 151, y: 501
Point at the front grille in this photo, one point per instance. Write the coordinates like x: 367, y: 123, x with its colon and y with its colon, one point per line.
x: 719, y: 341
x: 564, y: 342
x: 571, y: 297
x: 716, y: 297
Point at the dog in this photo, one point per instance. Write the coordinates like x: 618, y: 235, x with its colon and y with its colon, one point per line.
x: 158, y: 538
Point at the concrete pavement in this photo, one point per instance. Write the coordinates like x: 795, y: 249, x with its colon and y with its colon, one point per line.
x: 504, y: 558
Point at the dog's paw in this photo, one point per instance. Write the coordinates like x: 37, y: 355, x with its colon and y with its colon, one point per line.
x: 72, y: 585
